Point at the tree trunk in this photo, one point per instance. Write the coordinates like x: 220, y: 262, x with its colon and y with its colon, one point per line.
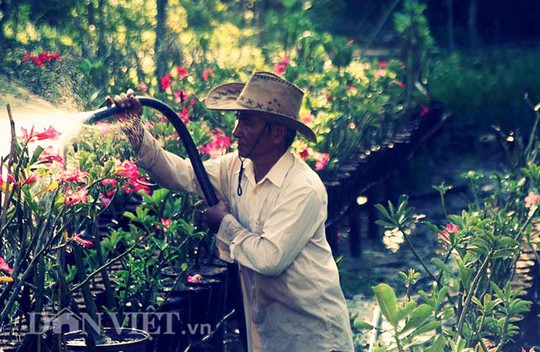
x: 472, y: 24
x: 260, y: 12
x: 5, y: 9
x: 84, y: 36
x: 450, y: 25
x: 161, y: 33
x: 103, y: 52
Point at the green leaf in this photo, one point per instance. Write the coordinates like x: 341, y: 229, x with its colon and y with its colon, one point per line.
x: 386, y: 297
x: 432, y: 226
x: 418, y: 316
x: 129, y: 215
x: 403, y: 312
x: 438, y: 345
x: 385, y: 224
x: 425, y: 328
x: 362, y: 325
x: 383, y: 211
x: 440, y: 264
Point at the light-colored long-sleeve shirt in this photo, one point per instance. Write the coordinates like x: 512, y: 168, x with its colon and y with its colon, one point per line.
x: 276, y: 233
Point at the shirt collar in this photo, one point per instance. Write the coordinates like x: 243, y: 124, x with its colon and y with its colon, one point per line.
x: 277, y: 173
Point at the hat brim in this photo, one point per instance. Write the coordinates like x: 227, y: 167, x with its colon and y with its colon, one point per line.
x: 224, y: 97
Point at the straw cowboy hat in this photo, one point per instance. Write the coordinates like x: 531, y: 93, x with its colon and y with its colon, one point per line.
x: 265, y: 92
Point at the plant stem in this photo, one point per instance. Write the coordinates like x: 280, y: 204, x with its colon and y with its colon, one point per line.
x: 470, y: 295
x: 103, y: 267
x: 92, y: 336
x: 411, y: 246
x: 111, y: 302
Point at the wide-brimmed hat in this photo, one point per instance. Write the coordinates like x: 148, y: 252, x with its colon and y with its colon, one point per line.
x: 265, y: 92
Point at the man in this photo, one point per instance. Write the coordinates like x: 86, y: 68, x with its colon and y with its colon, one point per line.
x: 270, y: 218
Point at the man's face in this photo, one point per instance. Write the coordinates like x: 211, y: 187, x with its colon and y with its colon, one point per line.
x: 253, y: 135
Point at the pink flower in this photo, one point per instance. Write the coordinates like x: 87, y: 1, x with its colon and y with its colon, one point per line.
x: 399, y: 84
x: 4, y: 266
x: 28, y: 181
x: 166, y: 223
x: 149, y: 125
x: 105, y: 201
x: 41, y: 58
x: 383, y: 64
x: 9, y: 178
x: 304, y: 154
x: 48, y: 156
x: 160, y: 117
x: 424, y: 110
x: 180, y: 96
x: 380, y: 72
x: 182, y: 72
x: 76, y: 197
x: 184, y: 116
x: 104, y: 128
x: 172, y: 136
x: 166, y: 81
x: 128, y: 169
x: 281, y: 67
x: 28, y: 57
x: 77, y: 238
x: 444, y: 235
x: 307, y: 118
x: 322, y: 161
x: 142, y: 87
x: 220, y: 142
x: 141, y: 185
x: 531, y: 200
x: 32, y: 179
x: 49, y: 133
x: 74, y: 175
x: 206, y: 74
x: 194, y: 279
x: 109, y: 182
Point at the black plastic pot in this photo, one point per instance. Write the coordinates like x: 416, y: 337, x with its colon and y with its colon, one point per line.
x: 128, y: 340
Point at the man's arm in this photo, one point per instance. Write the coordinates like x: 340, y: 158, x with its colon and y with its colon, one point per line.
x: 290, y: 225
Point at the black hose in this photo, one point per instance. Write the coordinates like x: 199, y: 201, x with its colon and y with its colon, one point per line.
x: 185, y: 137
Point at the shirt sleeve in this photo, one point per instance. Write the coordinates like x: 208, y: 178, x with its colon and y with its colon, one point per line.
x: 288, y: 228
x: 171, y: 171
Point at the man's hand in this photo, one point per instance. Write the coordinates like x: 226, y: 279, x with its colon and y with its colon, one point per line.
x: 214, y: 215
x: 130, y: 105
x: 130, y: 116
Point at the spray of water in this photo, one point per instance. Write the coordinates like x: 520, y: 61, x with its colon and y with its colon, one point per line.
x: 29, y: 111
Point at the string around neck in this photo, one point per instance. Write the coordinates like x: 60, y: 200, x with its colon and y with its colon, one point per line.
x: 239, y: 190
